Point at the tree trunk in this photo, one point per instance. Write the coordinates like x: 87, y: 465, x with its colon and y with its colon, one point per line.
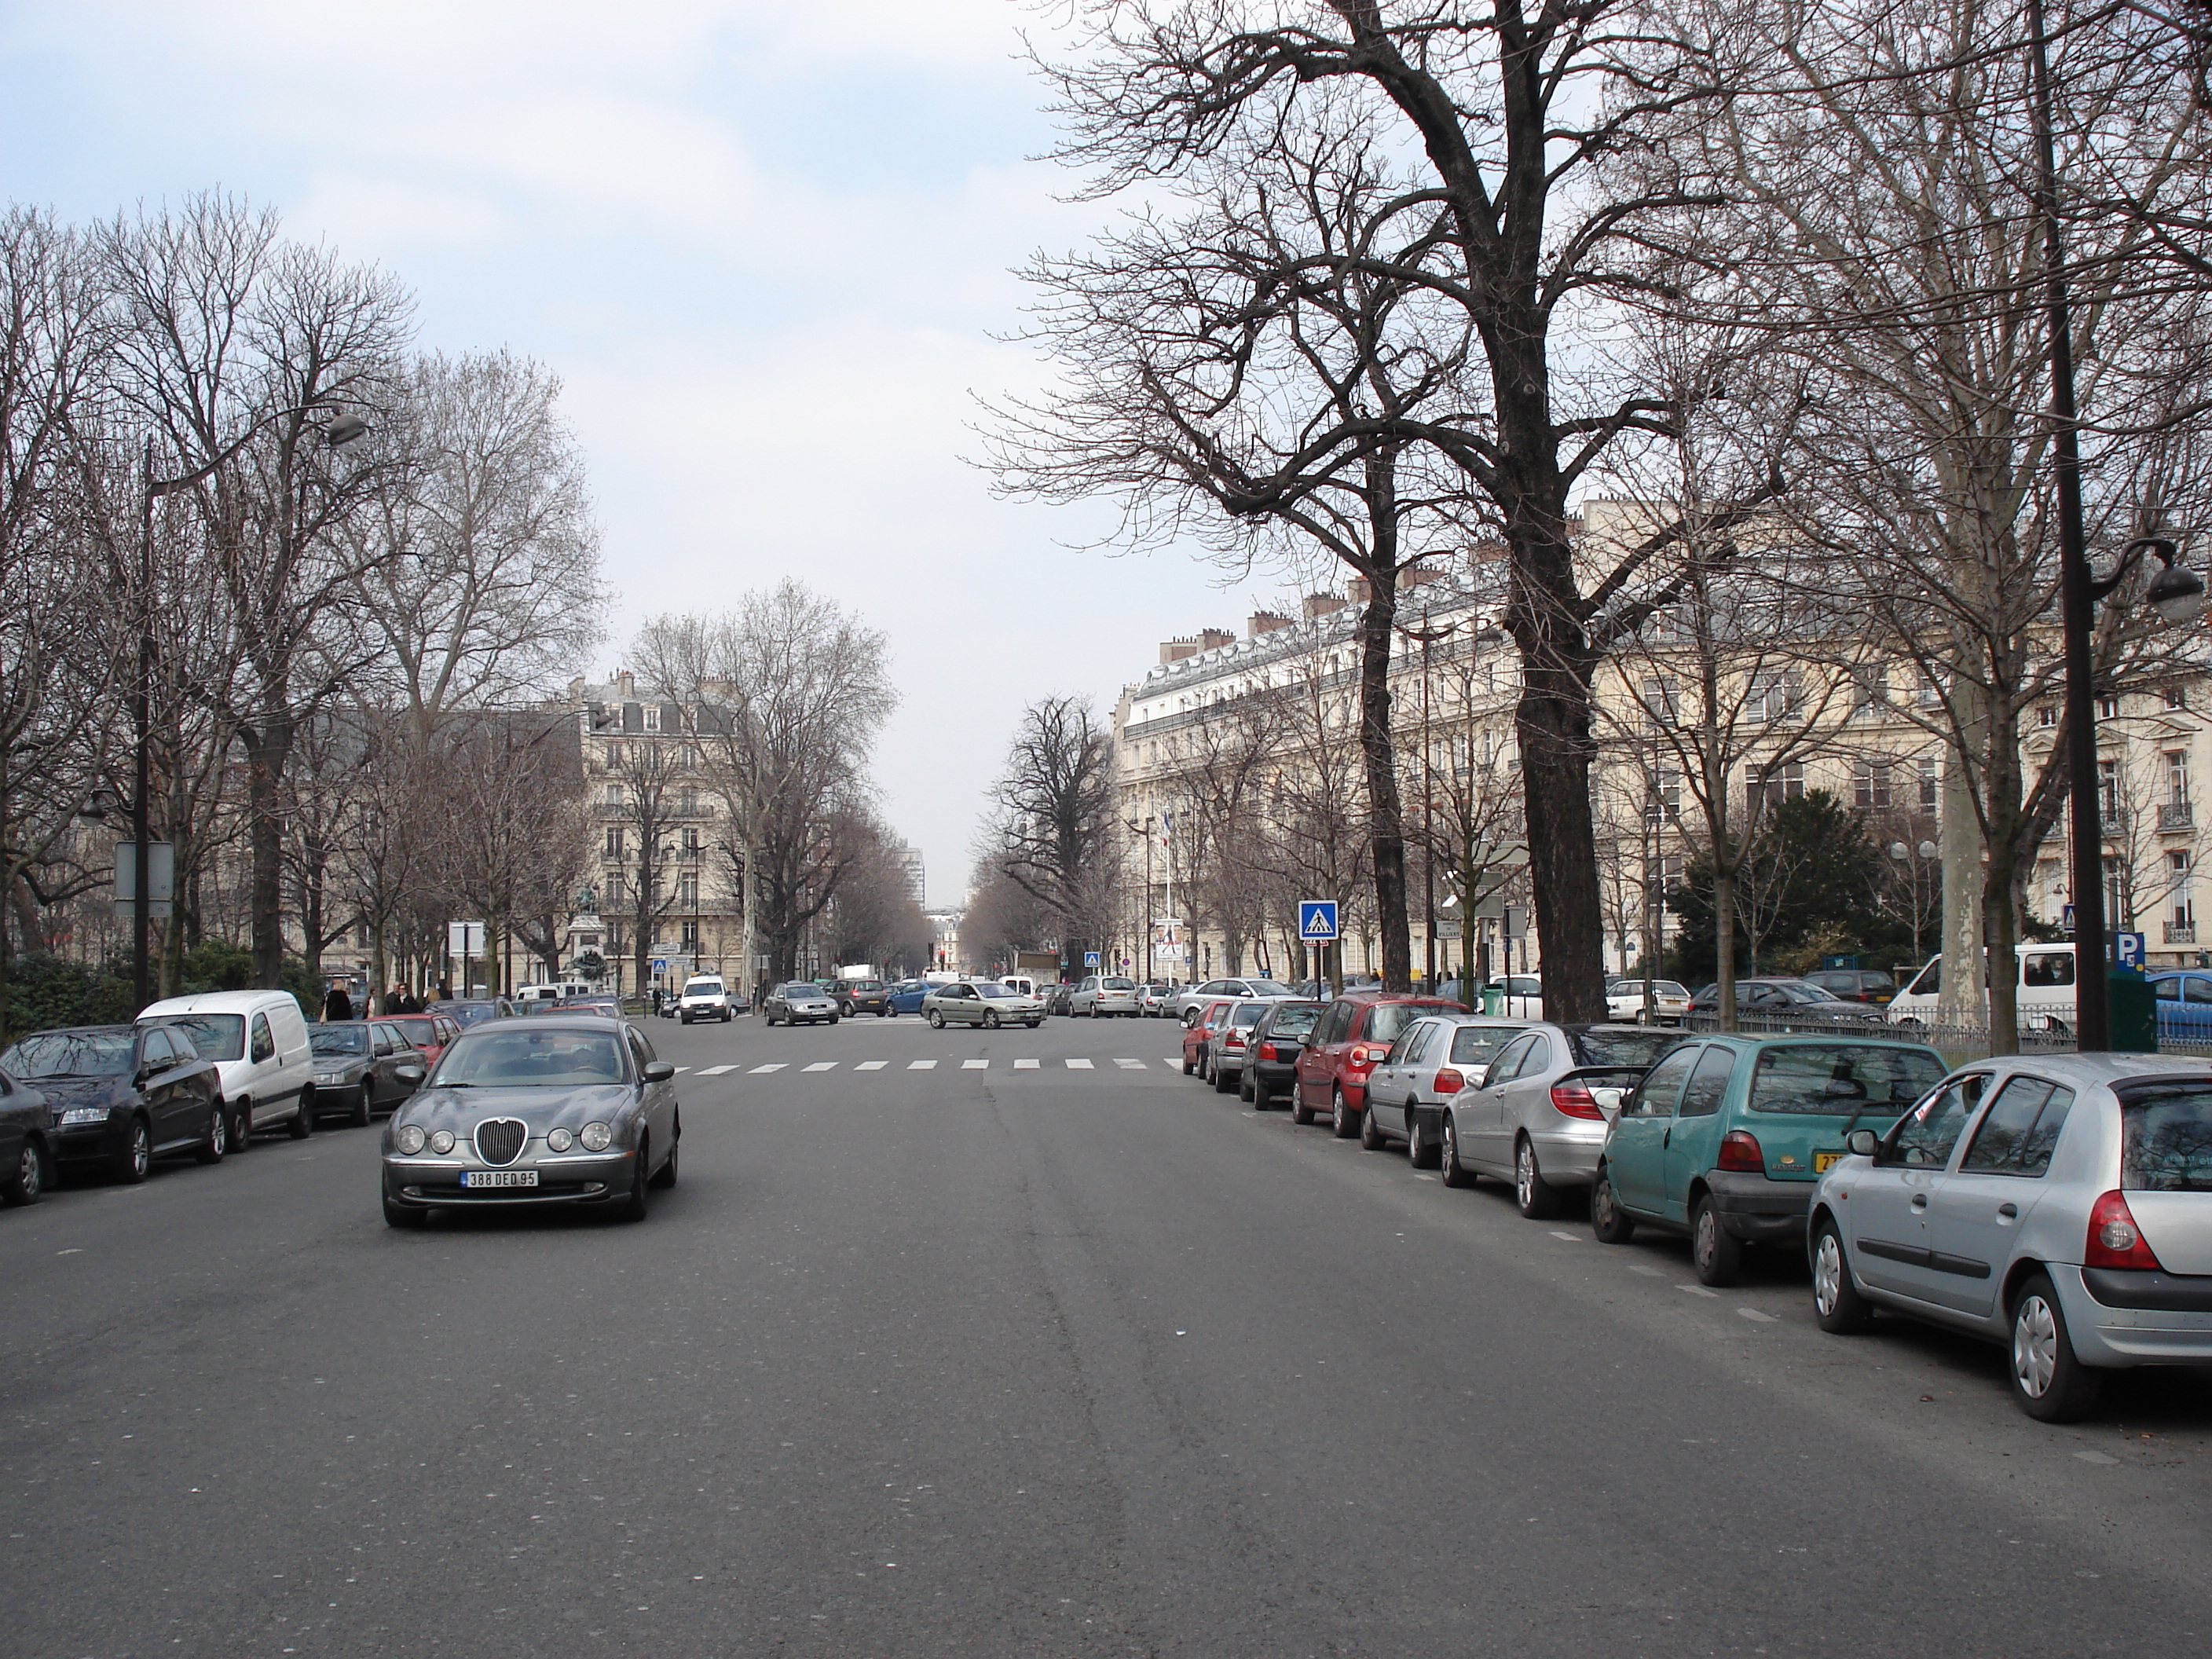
x: 1386, y: 817
x: 1723, y: 941
x: 267, y: 752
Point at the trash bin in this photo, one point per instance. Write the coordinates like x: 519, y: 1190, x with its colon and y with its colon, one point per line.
x: 2134, y: 1006
x: 1494, y: 999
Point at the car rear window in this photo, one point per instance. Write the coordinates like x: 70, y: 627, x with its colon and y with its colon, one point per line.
x: 1478, y: 1045
x: 1293, y: 1022
x: 1622, y: 1048
x: 1835, y: 1079
x: 1247, y: 1014
x: 2166, y: 1138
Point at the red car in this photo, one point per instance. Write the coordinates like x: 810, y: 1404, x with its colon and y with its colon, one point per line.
x: 428, y: 1032
x: 1348, y: 1040
x: 1196, y: 1034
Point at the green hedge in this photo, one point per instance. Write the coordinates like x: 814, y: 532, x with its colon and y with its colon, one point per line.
x: 45, y: 991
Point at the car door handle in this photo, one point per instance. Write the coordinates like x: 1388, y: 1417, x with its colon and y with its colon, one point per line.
x: 1920, y: 1201
x: 2010, y: 1212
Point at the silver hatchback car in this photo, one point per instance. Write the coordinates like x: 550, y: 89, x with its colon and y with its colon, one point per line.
x: 2059, y: 1204
x: 1431, y: 1061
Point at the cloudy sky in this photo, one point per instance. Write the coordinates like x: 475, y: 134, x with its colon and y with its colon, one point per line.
x: 766, y: 246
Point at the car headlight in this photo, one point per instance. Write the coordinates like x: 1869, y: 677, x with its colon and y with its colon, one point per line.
x: 597, y: 1137
x: 442, y: 1142
x: 409, y: 1139
x: 84, y: 1114
x: 559, y: 1141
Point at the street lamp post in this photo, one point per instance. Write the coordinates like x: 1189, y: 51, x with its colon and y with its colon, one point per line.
x: 1427, y: 638
x: 2175, y: 593
x: 1915, y: 860
x: 1145, y: 830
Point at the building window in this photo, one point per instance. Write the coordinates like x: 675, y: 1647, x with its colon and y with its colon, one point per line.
x: 690, y: 936
x: 1777, y: 784
x: 2176, y: 776
x: 1931, y: 784
x: 2108, y: 707
x: 614, y: 842
x: 687, y: 889
x: 2108, y: 791
x: 613, y: 798
x: 687, y: 801
x: 614, y: 756
x: 2176, y: 697
x: 1869, y: 688
x: 1666, y: 805
x: 1871, y: 785
x: 1663, y: 702
x: 610, y: 889
x: 653, y: 717
x: 690, y: 840
x: 2117, y: 910
x: 1775, y: 695
x: 2046, y: 715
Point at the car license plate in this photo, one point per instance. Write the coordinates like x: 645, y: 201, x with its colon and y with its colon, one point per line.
x: 499, y: 1177
x: 1822, y: 1160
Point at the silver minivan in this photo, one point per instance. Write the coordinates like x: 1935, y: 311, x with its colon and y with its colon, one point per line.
x: 2058, y: 1204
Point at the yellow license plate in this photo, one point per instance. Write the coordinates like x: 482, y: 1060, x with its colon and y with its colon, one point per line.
x: 1822, y: 1160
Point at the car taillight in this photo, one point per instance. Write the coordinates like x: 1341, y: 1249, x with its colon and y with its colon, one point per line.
x: 1233, y: 1039
x: 2115, y: 1241
x: 1363, y: 1055
x: 1739, y: 1152
x: 1449, y: 1082
x: 1267, y: 1052
x: 1575, y: 1100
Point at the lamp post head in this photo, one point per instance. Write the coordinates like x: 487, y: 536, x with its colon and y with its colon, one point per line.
x: 2176, y: 593
x: 1899, y: 851
x: 1928, y: 849
x: 344, y: 431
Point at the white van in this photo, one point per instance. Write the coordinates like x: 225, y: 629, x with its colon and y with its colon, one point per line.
x: 1020, y: 982
x: 259, y: 1043
x: 554, y: 992
x: 2044, y: 990
x: 705, y: 997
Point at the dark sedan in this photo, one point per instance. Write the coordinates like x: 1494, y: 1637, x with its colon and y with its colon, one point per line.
x: 565, y: 1108
x: 864, y: 996
x: 1786, y: 1000
x: 1272, y: 1066
x: 357, y: 1066
x: 25, y: 1125
x: 119, y: 1097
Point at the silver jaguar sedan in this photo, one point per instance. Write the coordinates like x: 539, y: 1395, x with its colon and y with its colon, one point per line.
x: 566, y: 1109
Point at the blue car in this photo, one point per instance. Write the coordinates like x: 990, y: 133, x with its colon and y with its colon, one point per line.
x: 906, y: 996
x: 2184, y: 1004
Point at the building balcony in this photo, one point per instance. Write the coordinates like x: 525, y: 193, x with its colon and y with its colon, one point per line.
x: 2114, y: 819
x: 2181, y: 932
x: 2176, y: 815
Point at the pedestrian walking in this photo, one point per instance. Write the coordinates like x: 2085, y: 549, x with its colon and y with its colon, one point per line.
x: 410, y: 1004
x: 337, y: 1007
x: 393, y: 998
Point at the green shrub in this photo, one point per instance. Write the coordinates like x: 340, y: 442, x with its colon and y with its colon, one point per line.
x: 45, y: 991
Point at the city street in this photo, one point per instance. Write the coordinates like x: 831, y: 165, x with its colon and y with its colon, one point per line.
x: 982, y: 1358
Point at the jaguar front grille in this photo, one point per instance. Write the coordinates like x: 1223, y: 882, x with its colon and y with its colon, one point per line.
x: 501, y: 1139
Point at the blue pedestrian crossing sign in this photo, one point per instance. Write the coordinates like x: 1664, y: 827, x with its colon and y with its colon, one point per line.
x: 1090, y: 959
x: 1317, y: 920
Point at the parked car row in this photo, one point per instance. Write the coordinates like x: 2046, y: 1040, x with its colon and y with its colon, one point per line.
x: 2059, y: 1205
x: 194, y: 1076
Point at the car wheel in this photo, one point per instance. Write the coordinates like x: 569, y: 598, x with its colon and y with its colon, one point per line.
x: 1301, y: 1113
x: 1715, y: 1253
x: 1837, y: 1304
x: 880, y: 1012
x: 664, y: 1177
x: 303, y: 1120
x: 136, y: 1160
x: 1187, y: 1067
x: 1032, y: 1024
x: 1343, y: 1122
x: 937, y: 1019
x: 1537, y: 1199
x: 990, y: 1019
x: 1420, y: 1151
x: 833, y: 1019
x: 1222, y: 1085
x: 400, y: 1215
x: 1371, y: 1138
x: 771, y: 1018
x: 1246, y: 1089
x: 241, y: 1126
x: 1455, y: 1173
x: 27, y: 1180
x: 2048, y: 1382
x: 210, y: 1150
x: 633, y: 1207
x: 364, y: 1109
x: 1612, y: 1224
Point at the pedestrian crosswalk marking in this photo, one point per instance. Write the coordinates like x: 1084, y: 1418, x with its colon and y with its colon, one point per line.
x: 1079, y: 1066
x: 772, y: 1066
x: 871, y: 1066
x: 1131, y: 1064
x: 681, y: 1070
x: 921, y: 1066
x: 716, y: 1071
x: 823, y: 1066
x: 1025, y: 1065
x: 1171, y: 1060
x: 974, y: 1065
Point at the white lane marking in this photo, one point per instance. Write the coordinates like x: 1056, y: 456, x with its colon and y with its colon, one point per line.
x: 921, y: 1066
x: 1569, y: 1237
x: 2095, y: 1457
x: 974, y: 1065
x: 1081, y: 1066
x: 1755, y: 1313
x: 1698, y: 1290
x: 822, y: 1066
x: 1026, y: 1065
x: 1171, y: 1060
x: 772, y: 1066
x: 716, y: 1071
x: 871, y: 1065
x: 681, y: 1070
x: 1131, y: 1064
x: 1649, y: 1273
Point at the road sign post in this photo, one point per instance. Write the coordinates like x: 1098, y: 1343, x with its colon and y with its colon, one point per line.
x: 1317, y: 927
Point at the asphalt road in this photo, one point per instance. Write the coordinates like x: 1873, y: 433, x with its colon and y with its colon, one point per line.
x: 1038, y: 1361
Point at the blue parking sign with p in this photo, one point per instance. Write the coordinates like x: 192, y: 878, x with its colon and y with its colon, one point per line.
x: 2129, y: 948
x: 1317, y: 920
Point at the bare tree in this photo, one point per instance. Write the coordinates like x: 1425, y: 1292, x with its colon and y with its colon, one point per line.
x: 1053, y: 833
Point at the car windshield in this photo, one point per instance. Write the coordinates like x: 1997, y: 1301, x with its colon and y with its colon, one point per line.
x: 799, y: 990
x: 1293, y: 1022
x: 215, y: 1036
x: 338, y: 1039
x: 1622, y: 1048
x: 70, y: 1054
x: 1478, y: 1045
x: 2166, y: 1139
x: 1838, y: 1080
x: 524, y: 1057
x: 704, y: 988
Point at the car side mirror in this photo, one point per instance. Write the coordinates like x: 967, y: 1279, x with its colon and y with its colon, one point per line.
x: 659, y: 1071
x: 1862, y: 1143
x: 409, y: 1074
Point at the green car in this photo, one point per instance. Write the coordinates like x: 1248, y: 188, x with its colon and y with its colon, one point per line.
x: 1724, y: 1139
